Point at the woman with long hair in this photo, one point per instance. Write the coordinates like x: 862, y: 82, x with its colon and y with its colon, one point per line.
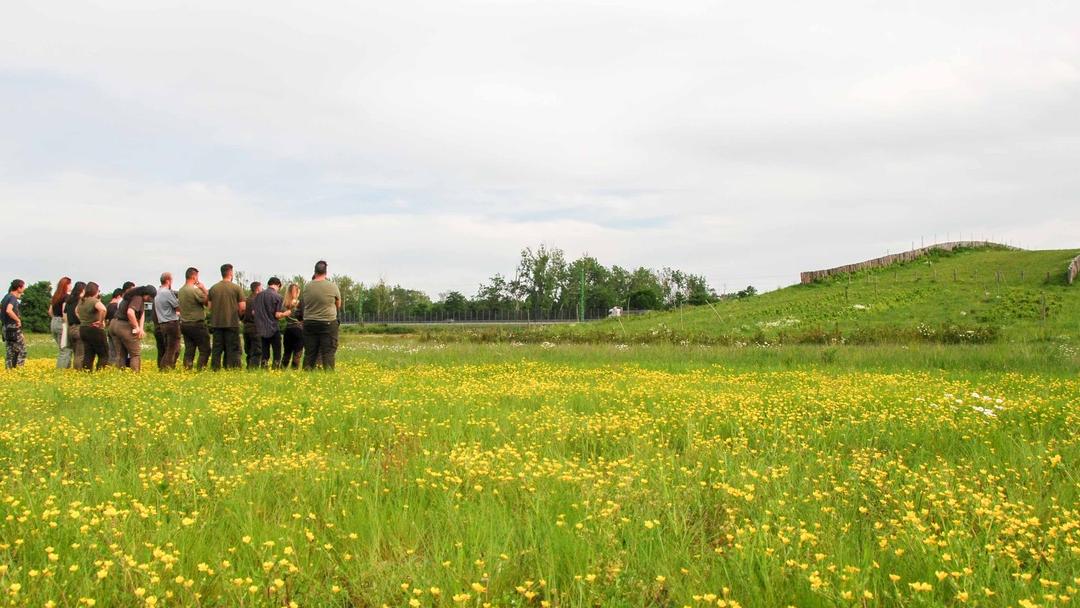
x: 110, y: 314
x: 71, y: 317
x: 294, y: 329
x: 92, y: 328
x: 56, y: 325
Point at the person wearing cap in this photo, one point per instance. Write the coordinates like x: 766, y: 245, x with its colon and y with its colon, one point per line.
x: 321, y: 301
x: 167, y: 323
x: 129, y: 326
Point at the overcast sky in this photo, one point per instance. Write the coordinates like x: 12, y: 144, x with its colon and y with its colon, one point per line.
x: 428, y: 142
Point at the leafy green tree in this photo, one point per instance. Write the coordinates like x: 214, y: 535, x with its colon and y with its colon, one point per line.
x: 35, y: 307
x: 750, y: 291
x: 496, y: 294
x: 412, y: 302
x: 673, y: 287
x: 645, y: 291
x: 600, y: 293
x: 454, y: 303
x: 378, y: 300
x: 540, y: 276
x: 698, y: 291
x: 351, y: 292
x: 619, y: 283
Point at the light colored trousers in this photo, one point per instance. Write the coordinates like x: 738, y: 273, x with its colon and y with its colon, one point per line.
x: 64, y: 360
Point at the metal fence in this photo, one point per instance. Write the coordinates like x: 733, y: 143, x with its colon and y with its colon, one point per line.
x: 479, y: 317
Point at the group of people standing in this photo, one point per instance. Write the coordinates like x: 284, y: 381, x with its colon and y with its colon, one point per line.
x: 296, y: 329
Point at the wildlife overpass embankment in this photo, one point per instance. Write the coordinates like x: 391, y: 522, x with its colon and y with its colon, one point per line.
x: 816, y: 275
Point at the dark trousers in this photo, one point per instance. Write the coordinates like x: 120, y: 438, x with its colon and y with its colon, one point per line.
x: 227, y: 345
x: 294, y: 346
x: 196, y: 337
x: 159, y: 343
x: 95, y: 344
x: 252, y: 346
x: 75, y: 344
x: 320, y: 343
x: 269, y: 351
x: 111, y: 340
x: 169, y: 350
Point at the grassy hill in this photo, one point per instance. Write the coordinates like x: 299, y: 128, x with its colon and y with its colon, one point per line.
x: 965, y: 296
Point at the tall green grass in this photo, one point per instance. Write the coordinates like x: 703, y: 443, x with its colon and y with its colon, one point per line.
x: 578, y: 475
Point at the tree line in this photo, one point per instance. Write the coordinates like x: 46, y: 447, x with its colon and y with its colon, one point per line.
x: 545, y: 285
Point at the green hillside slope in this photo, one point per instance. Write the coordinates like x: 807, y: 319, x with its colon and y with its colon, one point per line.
x: 966, y: 296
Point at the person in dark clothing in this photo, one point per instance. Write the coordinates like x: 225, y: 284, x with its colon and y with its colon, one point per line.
x: 192, y: 301
x: 91, y: 313
x: 72, y: 318
x: 294, y: 328
x: 159, y: 332
x: 127, y: 286
x: 110, y: 314
x: 56, y: 325
x: 252, y: 343
x: 11, y: 322
x: 268, y: 308
x: 129, y: 326
x: 322, y: 300
x: 226, y: 306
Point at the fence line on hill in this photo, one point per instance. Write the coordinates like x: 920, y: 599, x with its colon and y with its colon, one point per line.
x: 1074, y: 269
x: 480, y: 317
x: 888, y: 260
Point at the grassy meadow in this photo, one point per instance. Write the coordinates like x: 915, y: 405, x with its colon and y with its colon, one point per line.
x: 971, y: 296
x: 431, y: 474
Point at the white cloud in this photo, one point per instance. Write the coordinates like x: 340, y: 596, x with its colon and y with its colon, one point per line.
x: 429, y: 141
x: 111, y: 230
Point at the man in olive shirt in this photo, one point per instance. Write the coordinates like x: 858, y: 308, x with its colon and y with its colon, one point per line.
x: 321, y: 300
x: 226, y: 307
x: 192, y: 304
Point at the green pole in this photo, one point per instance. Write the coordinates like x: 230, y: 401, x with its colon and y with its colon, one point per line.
x: 581, y: 298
